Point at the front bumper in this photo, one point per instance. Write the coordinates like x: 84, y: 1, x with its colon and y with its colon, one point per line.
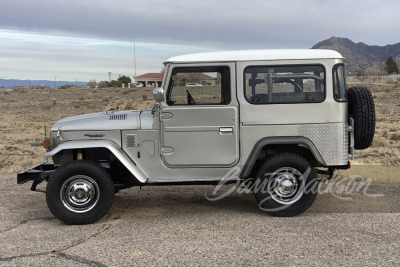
x: 37, y: 174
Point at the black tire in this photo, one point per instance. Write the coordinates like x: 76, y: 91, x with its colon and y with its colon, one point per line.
x: 80, y: 192
x: 362, y: 110
x: 271, y: 179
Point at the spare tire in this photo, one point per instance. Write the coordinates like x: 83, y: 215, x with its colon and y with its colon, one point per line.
x: 362, y: 110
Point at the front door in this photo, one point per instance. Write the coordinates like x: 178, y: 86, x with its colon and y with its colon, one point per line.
x: 200, y: 121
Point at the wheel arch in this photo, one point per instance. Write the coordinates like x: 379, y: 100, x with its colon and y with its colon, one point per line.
x: 284, y: 144
x: 106, y: 144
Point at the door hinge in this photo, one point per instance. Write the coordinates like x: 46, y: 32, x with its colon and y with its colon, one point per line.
x: 166, y: 115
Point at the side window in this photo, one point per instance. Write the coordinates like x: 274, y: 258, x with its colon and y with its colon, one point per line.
x: 284, y: 84
x: 339, y: 83
x: 199, y: 86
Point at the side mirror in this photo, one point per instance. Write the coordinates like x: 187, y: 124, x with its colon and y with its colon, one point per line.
x: 158, y: 94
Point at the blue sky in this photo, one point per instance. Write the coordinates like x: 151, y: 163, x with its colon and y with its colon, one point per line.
x: 86, y: 39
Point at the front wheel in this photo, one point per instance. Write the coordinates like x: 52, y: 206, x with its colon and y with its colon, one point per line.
x: 79, y: 192
x: 286, y: 185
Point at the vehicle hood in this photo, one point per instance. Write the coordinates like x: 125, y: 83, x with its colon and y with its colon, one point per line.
x: 105, y: 121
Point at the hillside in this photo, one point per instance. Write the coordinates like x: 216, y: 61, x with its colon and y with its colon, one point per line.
x: 360, y: 56
x: 14, y: 82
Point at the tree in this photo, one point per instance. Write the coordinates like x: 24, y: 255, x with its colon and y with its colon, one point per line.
x: 92, y: 84
x: 115, y: 83
x: 391, y: 66
x: 124, y: 80
x: 103, y: 84
x: 66, y: 86
x: 193, y: 77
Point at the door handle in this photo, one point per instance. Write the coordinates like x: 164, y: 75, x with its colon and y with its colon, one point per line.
x: 226, y: 130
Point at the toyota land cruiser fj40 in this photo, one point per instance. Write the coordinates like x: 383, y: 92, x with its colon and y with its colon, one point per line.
x: 276, y: 116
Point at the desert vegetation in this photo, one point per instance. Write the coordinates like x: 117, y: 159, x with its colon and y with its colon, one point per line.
x: 385, y: 149
x: 27, y: 114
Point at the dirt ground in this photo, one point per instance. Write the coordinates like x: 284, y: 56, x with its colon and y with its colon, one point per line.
x: 25, y: 114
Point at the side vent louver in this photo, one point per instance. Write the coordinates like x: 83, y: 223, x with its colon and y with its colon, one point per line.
x: 118, y: 117
x: 131, y: 140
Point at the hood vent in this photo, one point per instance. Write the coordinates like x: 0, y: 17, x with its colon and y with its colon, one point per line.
x: 118, y: 117
x: 131, y: 140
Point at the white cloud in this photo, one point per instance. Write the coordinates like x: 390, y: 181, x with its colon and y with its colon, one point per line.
x: 35, y: 56
x: 225, y: 23
x: 104, y: 30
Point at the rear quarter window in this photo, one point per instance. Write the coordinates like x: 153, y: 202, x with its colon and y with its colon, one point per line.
x: 284, y: 84
x: 339, y: 83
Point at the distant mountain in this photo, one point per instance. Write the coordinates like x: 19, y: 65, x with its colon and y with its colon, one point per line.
x: 6, y: 83
x: 360, y: 56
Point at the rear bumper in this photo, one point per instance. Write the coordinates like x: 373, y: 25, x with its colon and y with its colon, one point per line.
x: 37, y: 174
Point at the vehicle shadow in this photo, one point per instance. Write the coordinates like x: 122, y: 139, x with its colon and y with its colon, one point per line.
x: 379, y: 198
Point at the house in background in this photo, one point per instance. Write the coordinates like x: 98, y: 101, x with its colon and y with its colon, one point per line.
x: 150, y: 79
x: 200, y: 78
x: 155, y: 79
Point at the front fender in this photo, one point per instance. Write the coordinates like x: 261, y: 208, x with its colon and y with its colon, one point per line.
x: 110, y: 145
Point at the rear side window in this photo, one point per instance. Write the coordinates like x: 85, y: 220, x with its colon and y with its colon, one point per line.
x: 285, y: 84
x: 339, y: 83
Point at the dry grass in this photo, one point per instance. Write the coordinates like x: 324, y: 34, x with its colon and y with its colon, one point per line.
x: 26, y: 114
x: 385, y: 149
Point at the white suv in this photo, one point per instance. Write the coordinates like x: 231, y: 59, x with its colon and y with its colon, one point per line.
x: 273, y: 118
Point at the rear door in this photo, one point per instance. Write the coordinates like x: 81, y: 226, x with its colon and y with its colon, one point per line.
x: 200, y: 123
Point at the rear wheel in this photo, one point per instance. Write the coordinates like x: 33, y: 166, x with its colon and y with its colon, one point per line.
x: 79, y: 192
x: 286, y: 185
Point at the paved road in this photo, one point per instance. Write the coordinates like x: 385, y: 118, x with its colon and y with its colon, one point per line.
x: 178, y: 226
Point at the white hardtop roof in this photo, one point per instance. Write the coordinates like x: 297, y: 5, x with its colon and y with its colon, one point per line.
x: 254, y: 55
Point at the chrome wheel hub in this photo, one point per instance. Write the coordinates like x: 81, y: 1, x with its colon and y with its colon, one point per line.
x: 79, y: 193
x: 286, y: 185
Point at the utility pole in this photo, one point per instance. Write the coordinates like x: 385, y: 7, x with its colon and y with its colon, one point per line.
x: 109, y: 76
x: 55, y: 82
x: 134, y: 58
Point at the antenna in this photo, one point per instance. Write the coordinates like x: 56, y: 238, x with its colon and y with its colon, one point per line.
x: 109, y: 76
